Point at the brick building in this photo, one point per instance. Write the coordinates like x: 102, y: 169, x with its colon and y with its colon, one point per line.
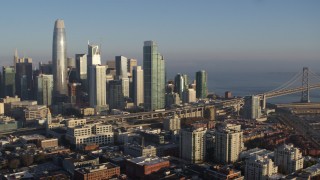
x: 97, y: 172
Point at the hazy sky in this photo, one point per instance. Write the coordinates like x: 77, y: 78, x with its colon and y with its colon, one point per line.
x: 212, y: 35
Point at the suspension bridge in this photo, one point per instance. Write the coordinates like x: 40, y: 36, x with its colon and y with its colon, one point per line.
x: 305, y: 78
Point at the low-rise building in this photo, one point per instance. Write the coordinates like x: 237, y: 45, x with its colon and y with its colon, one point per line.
x: 97, y: 172
x: 48, y: 143
x: 222, y: 173
x: 35, y: 112
x: 137, y: 150
x: 137, y: 168
x: 76, y: 161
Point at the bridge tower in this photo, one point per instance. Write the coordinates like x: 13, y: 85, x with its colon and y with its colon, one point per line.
x: 305, y: 84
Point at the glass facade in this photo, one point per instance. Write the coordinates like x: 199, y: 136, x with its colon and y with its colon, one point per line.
x: 201, y: 84
x: 154, y: 77
x: 44, y: 89
x: 59, y: 59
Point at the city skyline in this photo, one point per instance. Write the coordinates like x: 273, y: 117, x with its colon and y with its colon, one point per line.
x: 217, y: 34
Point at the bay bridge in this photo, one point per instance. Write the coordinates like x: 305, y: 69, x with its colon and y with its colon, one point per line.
x: 201, y: 110
x: 303, y: 77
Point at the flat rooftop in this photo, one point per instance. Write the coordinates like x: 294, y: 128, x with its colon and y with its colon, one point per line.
x: 148, y: 160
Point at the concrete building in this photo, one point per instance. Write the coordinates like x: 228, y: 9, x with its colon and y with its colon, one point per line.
x: 192, y: 145
x: 288, y: 158
x: 49, y: 143
x: 97, y: 84
x: 172, y: 123
x: 81, y: 69
x: 201, y: 84
x: 125, y: 87
x: 154, y: 77
x: 137, y: 76
x: 7, y: 124
x: 260, y: 168
x: 137, y: 150
x: 34, y: 112
x: 172, y: 99
x: 97, y: 172
x: 229, y: 143
x: 88, y: 134
x: 222, y: 173
x: 45, y: 89
x: 78, y: 161
x: 189, y: 96
x: 137, y: 168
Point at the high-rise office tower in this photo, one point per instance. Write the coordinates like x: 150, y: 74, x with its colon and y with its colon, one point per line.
x: 189, y: 96
x: 81, y: 66
x: 229, y: 143
x: 192, y: 145
x: 59, y: 59
x: 131, y: 64
x: 44, y: 89
x: 137, y: 76
x: 24, y: 82
x: 121, y: 67
x: 97, y: 85
x: 94, y: 56
x: 179, y: 84
x: 201, y: 84
x: 288, y: 158
x: 154, y: 77
x: 115, y: 95
x: 8, y: 81
x: 46, y: 68
x: 15, y: 58
x: 252, y: 108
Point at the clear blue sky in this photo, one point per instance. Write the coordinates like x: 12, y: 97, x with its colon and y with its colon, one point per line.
x: 212, y: 35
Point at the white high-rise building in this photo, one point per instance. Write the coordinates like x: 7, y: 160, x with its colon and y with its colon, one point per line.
x: 81, y: 66
x: 260, y: 168
x: 94, y: 57
x: 189, y: 96
x: 121, y: 67
x: 229, y: 143
x: 125, y: 87
x: 193, y: 145
x: 97, y: 86
x: 137, y: 75
x: 288, y: 158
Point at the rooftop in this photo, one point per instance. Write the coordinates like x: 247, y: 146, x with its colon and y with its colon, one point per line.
x: 148, y: 160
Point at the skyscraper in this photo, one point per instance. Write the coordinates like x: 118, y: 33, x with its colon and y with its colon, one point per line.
x: 121, y: 67
x: 115, y: 98
x: 97, y: 85
x: 24, y: 87
x: 229, y: 143
x: 94, y: 57
x: 59, y: 59
x: 137, y: 76
x: 131, y: 64
x: 81, y: 69
x: 44, y: 89
x: 201, y: 84
x: 154, y: 77
x: 252, y: 108
x: 193, y: 144
x: 8, y: 81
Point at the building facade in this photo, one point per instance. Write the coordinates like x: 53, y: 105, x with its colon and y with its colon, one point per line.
x: 97, y: 84
x: 137, y: 76
x: 288, y: 158
x: 154, y: 77
x: 45, y: 89
x: 192, y: 145
x: 260, y: 168
x: 229, y: 144
x: 59, y: 59
x: 201, y: 84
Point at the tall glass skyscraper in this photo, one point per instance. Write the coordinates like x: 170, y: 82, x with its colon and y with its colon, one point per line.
x: 154, y: 77
x: 201, y: 84
x: 59, y: 59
